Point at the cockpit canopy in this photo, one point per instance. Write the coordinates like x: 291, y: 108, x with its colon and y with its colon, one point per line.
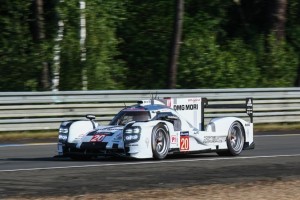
x: 126, y: 116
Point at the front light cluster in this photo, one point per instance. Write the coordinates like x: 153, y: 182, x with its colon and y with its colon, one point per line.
x: 63, y: 130
x: 132, y: 134
x: 63, y: 134
x: 131, y: 137
x: 133, y: 129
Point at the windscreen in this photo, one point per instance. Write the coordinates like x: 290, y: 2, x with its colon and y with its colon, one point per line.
x: 124, y: 117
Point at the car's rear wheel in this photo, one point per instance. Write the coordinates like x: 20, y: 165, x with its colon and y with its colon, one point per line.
x: 160, y: 142
x: 235, y: 140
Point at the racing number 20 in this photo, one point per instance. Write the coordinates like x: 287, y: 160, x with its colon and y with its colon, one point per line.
x: 97, y: 138
x: 184, y: 143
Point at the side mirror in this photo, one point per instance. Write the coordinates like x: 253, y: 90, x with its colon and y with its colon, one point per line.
x: 90, y: 117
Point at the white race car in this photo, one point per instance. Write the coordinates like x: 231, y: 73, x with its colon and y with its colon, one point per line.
x: 158, y: 127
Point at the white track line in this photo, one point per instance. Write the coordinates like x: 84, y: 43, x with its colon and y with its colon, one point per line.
x: 149, y: 162
x: 24, y: 145
x: 283, y: 135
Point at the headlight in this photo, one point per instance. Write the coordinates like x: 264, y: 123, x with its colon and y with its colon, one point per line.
x: 63, y: 134
x: 63, y: 130
x: 132, y: 134
x: 136, y: 130
x: 128, y: 131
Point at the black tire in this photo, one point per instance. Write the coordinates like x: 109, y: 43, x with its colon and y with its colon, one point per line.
x: 160, y: 142
x: 235, y: 140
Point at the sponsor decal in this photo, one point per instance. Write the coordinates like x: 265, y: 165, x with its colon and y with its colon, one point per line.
x: 214, y: 139
x: 110, y: 129
x: 194, y: 100
x: 105, y: 132
x: 186, y: 107
x: 185, y: 133
x: 97, y: 138
x: 79, y: 136
x: 173, y: 139
x: 169, y: 102
x: 133, y: 145
x: 184, y: 141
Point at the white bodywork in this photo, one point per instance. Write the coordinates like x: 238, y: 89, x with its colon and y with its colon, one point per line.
x: 78, y: 130
x: 188, y: 139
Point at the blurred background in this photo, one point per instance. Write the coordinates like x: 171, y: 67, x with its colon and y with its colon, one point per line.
x: 51, y: 45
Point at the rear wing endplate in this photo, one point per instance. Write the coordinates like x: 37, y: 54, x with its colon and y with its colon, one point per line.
x: 248, y: 106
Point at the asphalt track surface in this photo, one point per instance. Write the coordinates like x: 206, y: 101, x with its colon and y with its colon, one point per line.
x: 31, y: 171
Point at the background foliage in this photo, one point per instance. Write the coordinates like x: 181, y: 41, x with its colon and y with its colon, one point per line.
x: 225, y: 44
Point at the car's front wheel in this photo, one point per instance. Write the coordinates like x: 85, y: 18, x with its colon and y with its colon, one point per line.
x: 160, y: 142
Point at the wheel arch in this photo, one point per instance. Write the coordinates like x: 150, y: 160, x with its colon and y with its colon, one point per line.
x: 235, y: 148
x: 78, y: 129
x: 223, y: 125
x: 243, y: 129
x: 157, y: 155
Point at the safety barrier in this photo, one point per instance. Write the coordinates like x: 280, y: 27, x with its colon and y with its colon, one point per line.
x: 20, y: 111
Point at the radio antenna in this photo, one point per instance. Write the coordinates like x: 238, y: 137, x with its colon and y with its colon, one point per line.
x: 152, y: 99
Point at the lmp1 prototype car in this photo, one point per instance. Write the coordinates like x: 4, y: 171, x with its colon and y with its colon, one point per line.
x: 157, y: 127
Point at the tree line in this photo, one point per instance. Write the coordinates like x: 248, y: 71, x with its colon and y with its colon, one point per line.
x: 133, y: 44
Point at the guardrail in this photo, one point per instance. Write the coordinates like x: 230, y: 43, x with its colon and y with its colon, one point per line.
x: 21, y: 111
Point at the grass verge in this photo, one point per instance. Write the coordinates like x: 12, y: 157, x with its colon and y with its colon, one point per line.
x: 276, y: 127
x: 27, y: 135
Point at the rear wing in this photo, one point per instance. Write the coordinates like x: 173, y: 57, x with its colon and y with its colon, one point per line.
x: 192, y: 108
x: 248, y: 106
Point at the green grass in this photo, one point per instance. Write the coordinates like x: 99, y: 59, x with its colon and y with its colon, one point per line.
x: 13, y: 136
x: 276, y: 127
